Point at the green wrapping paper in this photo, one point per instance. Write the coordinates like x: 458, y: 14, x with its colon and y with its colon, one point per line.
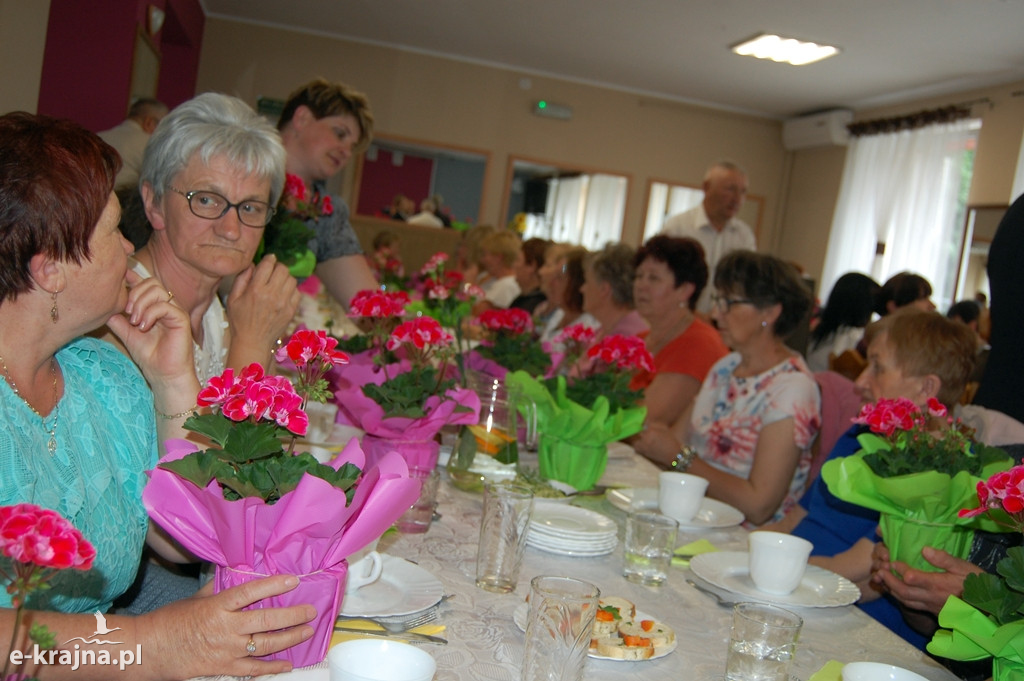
x: 969, y: 634
x: 591, y: 428
x: 930, y: 502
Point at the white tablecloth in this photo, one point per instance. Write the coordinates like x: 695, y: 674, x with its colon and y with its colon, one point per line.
x: 485, y: 644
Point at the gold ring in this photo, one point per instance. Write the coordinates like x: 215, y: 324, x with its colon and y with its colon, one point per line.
x: 250, y: 647
x: 170, y: 296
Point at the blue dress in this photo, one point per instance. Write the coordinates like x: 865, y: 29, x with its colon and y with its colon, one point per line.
x: 106, y: 440
x: 834, y: 525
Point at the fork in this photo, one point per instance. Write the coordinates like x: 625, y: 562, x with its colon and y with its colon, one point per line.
x: 398, y: 626
x: 714, y: 594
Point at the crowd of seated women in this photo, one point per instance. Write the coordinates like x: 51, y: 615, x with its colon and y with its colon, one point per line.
x: 727, y: 400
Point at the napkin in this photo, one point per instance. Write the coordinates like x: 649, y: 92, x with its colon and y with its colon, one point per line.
x: 339, y: 636
x: 832, y: 671
x: 694, y: 548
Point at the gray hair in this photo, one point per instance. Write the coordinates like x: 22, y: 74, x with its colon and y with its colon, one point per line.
x: 211, y: 125
x: 614, y: 265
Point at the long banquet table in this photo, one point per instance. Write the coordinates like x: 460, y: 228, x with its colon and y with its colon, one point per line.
x: 485, y: 644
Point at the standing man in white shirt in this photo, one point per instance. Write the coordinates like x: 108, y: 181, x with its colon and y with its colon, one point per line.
x: 130, y: 136
x: 713, y: 223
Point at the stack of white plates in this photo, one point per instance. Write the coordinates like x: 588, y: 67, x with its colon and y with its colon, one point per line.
x: 570, y: 531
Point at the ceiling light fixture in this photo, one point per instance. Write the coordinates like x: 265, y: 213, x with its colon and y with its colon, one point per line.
x: 786, y: 50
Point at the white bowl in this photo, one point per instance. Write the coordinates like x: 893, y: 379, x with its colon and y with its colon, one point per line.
x: 876, y: 671
x: 379, y: 660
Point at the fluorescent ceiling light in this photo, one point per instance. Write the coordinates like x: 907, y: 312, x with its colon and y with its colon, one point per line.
x: 788, y: 50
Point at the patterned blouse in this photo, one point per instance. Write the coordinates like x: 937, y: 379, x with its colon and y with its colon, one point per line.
x: 729, y: 413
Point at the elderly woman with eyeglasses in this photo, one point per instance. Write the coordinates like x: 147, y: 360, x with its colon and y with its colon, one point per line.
x: 212, y: 173
x: 751, y: 426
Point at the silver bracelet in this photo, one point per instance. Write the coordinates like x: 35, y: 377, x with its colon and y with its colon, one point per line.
x: 683, y: 459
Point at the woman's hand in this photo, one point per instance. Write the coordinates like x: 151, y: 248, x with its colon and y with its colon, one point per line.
x: 207, y: 635
x: 157, y: 335
x: 919, y: 590
x: 658, y: 443
x: 260, y: 307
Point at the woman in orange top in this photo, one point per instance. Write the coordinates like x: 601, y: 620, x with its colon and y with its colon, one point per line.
x: 670, y: 275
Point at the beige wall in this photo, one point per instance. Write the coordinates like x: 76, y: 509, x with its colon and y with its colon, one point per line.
x: 22, y: 40
x: 444, y: 101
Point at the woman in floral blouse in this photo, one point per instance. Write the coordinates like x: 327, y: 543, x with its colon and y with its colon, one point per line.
x: 758, y: 411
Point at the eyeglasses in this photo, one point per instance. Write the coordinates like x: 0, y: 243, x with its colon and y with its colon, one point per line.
x: 211, y: 206
x: 725, y: 303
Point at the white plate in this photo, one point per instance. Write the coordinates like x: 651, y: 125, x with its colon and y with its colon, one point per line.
x: 713, y: 514
x: 403, y: 588
x: 570, y: 521
x: 522, y: 612
x: 541, y: 540
x: 574, y: 553
x: 729, y: 570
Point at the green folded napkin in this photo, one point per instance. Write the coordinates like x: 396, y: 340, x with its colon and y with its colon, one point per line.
x: 832, y: 671
x: 684, y: 553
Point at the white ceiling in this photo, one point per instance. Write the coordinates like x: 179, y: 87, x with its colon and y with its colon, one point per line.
x: 892, y: 50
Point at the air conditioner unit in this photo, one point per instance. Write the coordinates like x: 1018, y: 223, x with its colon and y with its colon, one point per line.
x: 824, y: 129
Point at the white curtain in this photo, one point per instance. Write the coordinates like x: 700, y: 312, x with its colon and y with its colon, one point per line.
x: 605, y: 210
x: 665, y: 201
x: 902, y: 190
x: 587, y: 210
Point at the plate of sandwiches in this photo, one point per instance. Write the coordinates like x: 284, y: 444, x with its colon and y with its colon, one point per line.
x: 621, y: 633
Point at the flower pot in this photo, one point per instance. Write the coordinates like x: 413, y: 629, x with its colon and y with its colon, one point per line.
x: 574, y: 463
x: 417, y: 453
x: 322, y: 589
x: 905, y: 537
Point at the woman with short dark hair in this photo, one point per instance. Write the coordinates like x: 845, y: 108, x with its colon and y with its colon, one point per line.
x: 752, y: 424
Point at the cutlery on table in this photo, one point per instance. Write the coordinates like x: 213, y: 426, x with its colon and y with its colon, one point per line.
x: 406, y: 635
x: 399, y: 625
x: 714, y: 594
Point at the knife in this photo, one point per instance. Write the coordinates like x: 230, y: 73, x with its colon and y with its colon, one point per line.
x: 412, y: 636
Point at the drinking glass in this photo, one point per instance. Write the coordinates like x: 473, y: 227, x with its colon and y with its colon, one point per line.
x: 503, y: 529
x: 418, y: 518
x: 558, y: 628
x: 650, y: 541
x: 762, y: 642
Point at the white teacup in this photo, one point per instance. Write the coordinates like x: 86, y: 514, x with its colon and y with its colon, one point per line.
x: 777, y: 561
x: 364, y: 567
x: 876, y: 671
x: 680, y: 495
x: 375, y: 660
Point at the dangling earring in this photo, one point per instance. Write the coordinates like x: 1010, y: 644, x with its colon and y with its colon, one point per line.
x: 54, y: 314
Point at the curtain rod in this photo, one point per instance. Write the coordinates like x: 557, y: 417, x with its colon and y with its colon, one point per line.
x: 912, y: 121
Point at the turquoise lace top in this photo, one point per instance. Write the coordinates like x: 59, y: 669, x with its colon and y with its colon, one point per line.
x: 106, y: 440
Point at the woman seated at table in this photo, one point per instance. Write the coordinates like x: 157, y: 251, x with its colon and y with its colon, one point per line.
x: 608, y: 291
x: 915, y: 355
x: 843, y: 319
x: 670, y: 275
x: 211, y: 175
x: 81, y: 424
x: 498, y: 255
x: 561, y: 278
x: 752, y: 424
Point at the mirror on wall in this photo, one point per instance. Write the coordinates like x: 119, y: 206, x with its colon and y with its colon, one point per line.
x: 980, y: 226
x: 569, y: 204
x: 665, y: 199
x: 418, y: 170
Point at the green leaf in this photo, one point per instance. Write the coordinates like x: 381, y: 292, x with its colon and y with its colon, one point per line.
x: 42, y: 636
x: 1001, y: 596
x: 249, y: 441
x: 215, y: 426
x: 516, y: 352
x: 405, y: 394
x: 199, y: 468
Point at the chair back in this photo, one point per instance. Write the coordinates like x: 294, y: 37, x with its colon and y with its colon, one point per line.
x: 840, y: 403
x: 849, y: 363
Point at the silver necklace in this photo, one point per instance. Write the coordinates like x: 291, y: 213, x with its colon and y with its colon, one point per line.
x: 51, y: 430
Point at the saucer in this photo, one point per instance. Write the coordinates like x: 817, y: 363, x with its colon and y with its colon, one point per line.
x: 729, y: 570
x: 713, y: 514
x: 523, y: 611
x: 403, y: 588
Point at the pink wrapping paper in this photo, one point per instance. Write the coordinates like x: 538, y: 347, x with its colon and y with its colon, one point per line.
x: 417, y: 453
x: 356, y: 409
x: 308, y: 532
x: 488, y: 367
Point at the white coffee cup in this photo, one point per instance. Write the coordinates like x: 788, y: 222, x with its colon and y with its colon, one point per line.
x: 376, y: 660
x: 876, y: 671
x: 364, y: 567
x: 777, y: 561
x: 680, y: 495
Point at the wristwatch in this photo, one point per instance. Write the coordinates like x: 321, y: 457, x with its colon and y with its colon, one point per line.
x: 683, y: 459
